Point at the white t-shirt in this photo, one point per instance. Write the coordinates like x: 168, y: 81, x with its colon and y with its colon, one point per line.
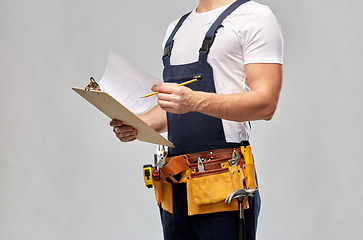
x: 250, y: 34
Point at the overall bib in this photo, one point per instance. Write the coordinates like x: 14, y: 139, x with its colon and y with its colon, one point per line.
x: 196, y: 132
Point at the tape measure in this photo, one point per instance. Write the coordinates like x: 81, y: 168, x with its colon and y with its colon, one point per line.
x: 247, y: 152
x: 148, y: 175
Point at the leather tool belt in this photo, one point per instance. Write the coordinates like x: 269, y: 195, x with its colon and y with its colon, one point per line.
x: 209, y: 176
x: 212, y: 162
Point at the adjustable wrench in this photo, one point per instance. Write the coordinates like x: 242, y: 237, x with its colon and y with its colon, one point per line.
x: 200, y: 165
x: 234, y: 161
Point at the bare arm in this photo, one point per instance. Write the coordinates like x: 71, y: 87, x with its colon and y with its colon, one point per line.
x: 156, y: 118
x: 265, y: 81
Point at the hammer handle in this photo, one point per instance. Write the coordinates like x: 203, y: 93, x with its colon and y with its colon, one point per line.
x: 241, y: 221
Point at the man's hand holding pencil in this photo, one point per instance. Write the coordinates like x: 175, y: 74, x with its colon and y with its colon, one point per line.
x: 181, y: 84
x: 175, y: 98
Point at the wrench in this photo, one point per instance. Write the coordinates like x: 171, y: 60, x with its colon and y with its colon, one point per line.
x: 235, y: 158
x: 200, y: 165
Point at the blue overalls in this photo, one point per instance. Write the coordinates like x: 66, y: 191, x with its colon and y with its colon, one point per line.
x: 196, y: 132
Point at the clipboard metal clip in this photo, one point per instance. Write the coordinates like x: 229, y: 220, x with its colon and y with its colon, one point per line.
x: 92, y: 85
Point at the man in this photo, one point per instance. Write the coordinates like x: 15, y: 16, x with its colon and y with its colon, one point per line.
x: 234, y: 49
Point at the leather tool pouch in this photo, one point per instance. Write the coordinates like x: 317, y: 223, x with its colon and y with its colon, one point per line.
x: 207, y: 190
x: 164, y: 194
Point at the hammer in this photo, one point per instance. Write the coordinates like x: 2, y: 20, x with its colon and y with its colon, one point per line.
x: 240, y: 194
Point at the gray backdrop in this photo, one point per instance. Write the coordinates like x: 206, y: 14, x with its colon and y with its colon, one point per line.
x: 63, y: 174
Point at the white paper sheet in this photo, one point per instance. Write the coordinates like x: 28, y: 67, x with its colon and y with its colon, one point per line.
x: 127, y: 84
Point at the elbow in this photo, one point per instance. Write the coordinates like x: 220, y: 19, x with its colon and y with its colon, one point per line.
x: 269, y: 112
x: 268, y: 119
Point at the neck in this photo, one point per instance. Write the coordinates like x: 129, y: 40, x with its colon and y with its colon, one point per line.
x: 208, y: 5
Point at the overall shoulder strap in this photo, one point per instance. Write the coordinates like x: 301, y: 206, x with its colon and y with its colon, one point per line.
x: 211, y: 33
x: 169, y: 43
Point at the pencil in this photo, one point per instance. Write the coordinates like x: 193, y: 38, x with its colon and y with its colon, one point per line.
x: 181, y: 84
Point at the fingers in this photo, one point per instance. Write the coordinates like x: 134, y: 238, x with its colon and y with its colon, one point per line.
x: 115, y: 123
x: 170, y: 93
x: 165, y: 88
x: 174, y: 99
x: 123, y: 132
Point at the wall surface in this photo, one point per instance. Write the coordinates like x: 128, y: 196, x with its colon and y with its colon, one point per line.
x: 63, y: 174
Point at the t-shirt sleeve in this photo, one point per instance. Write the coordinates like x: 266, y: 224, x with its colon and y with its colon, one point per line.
x: 169, y: 31
x: 261, y: 37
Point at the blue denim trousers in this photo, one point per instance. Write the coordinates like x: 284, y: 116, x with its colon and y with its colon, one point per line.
x: 213, y: 226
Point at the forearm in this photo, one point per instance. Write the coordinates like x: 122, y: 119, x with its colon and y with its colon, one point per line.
x: 246, y: 106
x: 260, y: 103
x: 156, y: 118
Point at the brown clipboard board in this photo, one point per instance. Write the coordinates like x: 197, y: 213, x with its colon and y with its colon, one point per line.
x: 115, y: 110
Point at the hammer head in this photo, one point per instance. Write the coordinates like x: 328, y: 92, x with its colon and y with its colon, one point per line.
x: 239, y: 193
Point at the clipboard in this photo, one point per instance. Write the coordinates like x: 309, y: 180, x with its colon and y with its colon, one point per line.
x: 115, y: 110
